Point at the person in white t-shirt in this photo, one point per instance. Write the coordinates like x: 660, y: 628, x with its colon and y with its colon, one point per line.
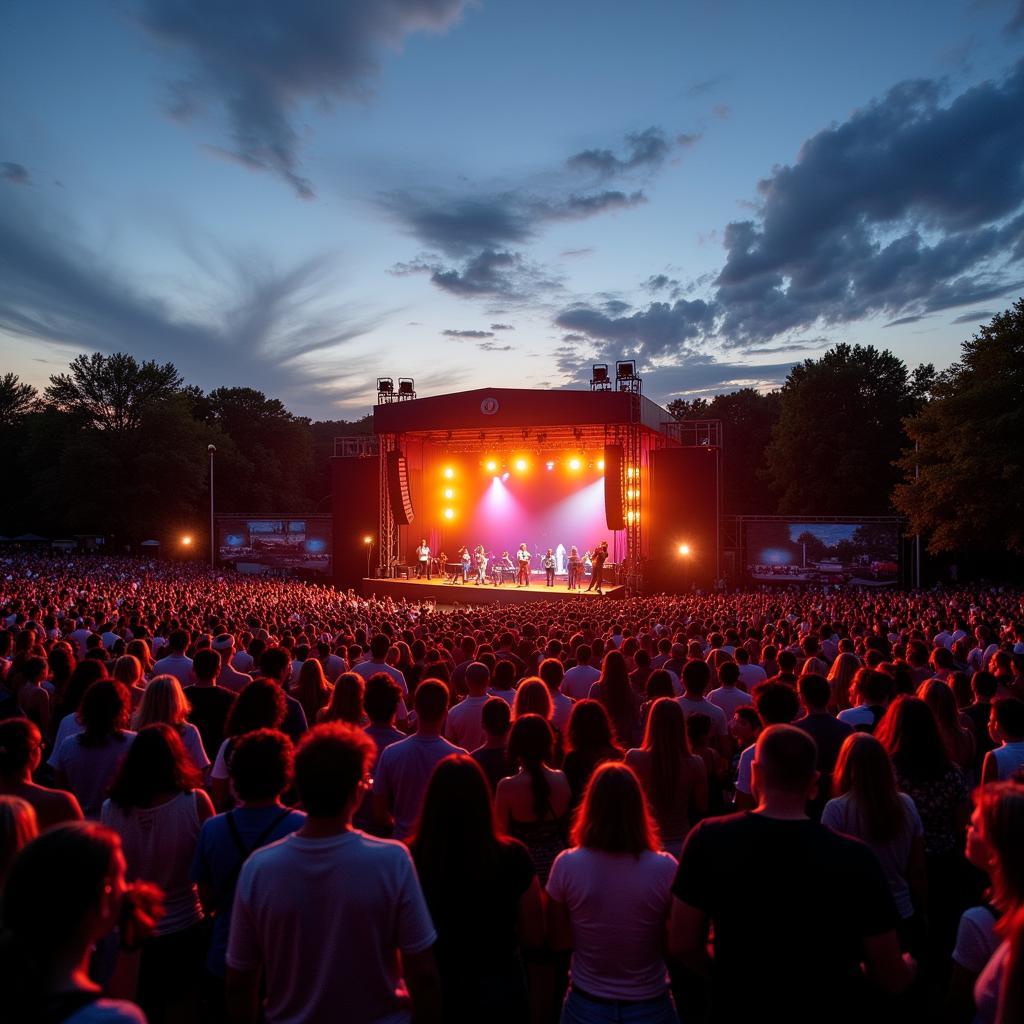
x: 334, y: 957
x: 609, y: 898
x: 423, y: 560
x: 695, y: 678
x: 578, y: 680
x: 729, y: 696
x: 176, y: 663
x: 750, y: 673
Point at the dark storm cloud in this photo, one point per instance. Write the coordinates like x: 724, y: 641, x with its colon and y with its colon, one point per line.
x: 660, y: 329
x: 467, y: 334
x: 54, y: 289
x: 16, y: 174
x: 259, y: 60
x: 1016, y: 22
x: 907, y: 207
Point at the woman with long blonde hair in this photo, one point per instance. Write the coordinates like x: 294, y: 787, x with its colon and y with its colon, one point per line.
x: 346, y: 702
x: 164, y: 702
x: 674, y: 781
x: 840, y: 677
x: 128, y: 670
x: 311, y: 689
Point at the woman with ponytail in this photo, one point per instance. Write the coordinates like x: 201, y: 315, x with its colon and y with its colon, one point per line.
x: 533, y: 805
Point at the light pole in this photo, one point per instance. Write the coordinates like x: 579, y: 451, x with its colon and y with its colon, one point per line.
x: 212, y: 450
x: 368, y: 541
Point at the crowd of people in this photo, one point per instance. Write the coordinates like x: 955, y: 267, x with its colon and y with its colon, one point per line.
x: 225, y: 798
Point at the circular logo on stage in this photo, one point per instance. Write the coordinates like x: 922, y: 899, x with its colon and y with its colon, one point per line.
x: 489, y: 406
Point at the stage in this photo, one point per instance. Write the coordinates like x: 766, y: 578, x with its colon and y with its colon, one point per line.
x: 443, y: 592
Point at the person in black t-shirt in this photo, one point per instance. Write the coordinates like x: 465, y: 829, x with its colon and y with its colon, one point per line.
x: 496, y: 718
x: 793, y: 953
x: 209, y: 703
x: 825, y: 729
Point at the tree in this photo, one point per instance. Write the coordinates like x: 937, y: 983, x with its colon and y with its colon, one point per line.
x: 963, y: 483
x: 17, y: 399
x: 839, y: 432
x: 109, y: 392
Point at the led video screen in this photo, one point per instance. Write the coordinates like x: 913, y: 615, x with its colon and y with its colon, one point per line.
x: 276, y: 543
x: 851, y: 553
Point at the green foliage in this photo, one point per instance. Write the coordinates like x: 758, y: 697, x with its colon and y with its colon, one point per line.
x: 110, y: 392
x: 839, y: 431
x: 17, y: 399
x: 970, y: 446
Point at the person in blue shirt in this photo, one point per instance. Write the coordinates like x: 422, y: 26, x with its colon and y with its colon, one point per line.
x: 260, y: 771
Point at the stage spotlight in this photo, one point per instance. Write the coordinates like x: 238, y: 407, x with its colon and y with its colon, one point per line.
x: 684, y: 549
x: 448, y: 472
x: 449, y: 493
x: 574, y: 464
x: 504, y: 476
x: 367, y: 539
x: 600, y: 465
x: 631, y: 494
x: 550, y: 465
x: 491, y: 466
x: 449, y: 513
x: 630, y: 472
x: 186, y: 541
x: 520, y: 465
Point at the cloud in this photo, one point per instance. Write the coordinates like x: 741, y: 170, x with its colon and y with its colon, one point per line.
x: 260, y: 61
x: 468, y: 334
x: 259, y: 323
x: 905, y: 320
x: 644, y: 150
x: 502, y: 327
x: 1016, y: 22
x: 662, y: 282
x: 661, y: 329
x: 703, y: 87
x: 908, y: 207
x: 977, y: 316
x: 574, y: 337
x: 490, y: 346
x: 688, y: 139
x: 16, y: 174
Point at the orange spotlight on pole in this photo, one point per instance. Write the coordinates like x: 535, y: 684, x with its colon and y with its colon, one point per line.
x: 186, y: 540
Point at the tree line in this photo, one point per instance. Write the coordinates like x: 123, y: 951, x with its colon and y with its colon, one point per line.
x: 118, y: 447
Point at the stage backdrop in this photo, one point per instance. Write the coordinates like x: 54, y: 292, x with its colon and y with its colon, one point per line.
x: 550, y: 500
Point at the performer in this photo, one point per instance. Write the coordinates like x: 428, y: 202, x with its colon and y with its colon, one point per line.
x: 523, y: 556
x: 600, y: 557
x: 549, y: 567
x: 423, y: 560
x: 503, y: 569
x: 467, y: 561
x: 575, y: 564
x: 481, y: 565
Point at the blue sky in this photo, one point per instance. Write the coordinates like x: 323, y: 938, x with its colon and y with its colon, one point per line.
x: 303, y: 196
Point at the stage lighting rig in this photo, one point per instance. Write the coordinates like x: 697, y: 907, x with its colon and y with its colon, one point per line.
x: 599, y: 380
x: 406, y: 389
x: 385, y: 390
x: 626, y: 377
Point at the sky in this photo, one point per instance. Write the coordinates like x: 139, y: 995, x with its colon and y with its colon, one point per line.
x: 302, y: 196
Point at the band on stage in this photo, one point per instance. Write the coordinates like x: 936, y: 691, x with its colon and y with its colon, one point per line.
x: 487, y: 567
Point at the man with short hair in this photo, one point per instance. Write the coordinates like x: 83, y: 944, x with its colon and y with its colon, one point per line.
x: 776, y: 704
x: 578, y: 680
x: 492, y: 756
x: 175, y: 663
x: 276, y: 665
x: 825, y: 729
x: 463, y: 726
x: 229, y: 678
x: 790, y: 950
x: 324, y: 914
x: 750, y: 672
x: 209, y: 703
x: 729, y: 696
x: 379, y: 647
x: 404, y: 768
x: 552, y: 674
x: 695, y: 678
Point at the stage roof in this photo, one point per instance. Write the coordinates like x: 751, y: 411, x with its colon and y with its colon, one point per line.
x: 564, y: 417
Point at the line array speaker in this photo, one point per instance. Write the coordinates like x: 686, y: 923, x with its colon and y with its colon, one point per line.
x: 613, y: 512
x: 398, y: 489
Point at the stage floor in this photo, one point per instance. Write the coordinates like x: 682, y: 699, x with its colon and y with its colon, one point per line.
x: 443, y: 592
